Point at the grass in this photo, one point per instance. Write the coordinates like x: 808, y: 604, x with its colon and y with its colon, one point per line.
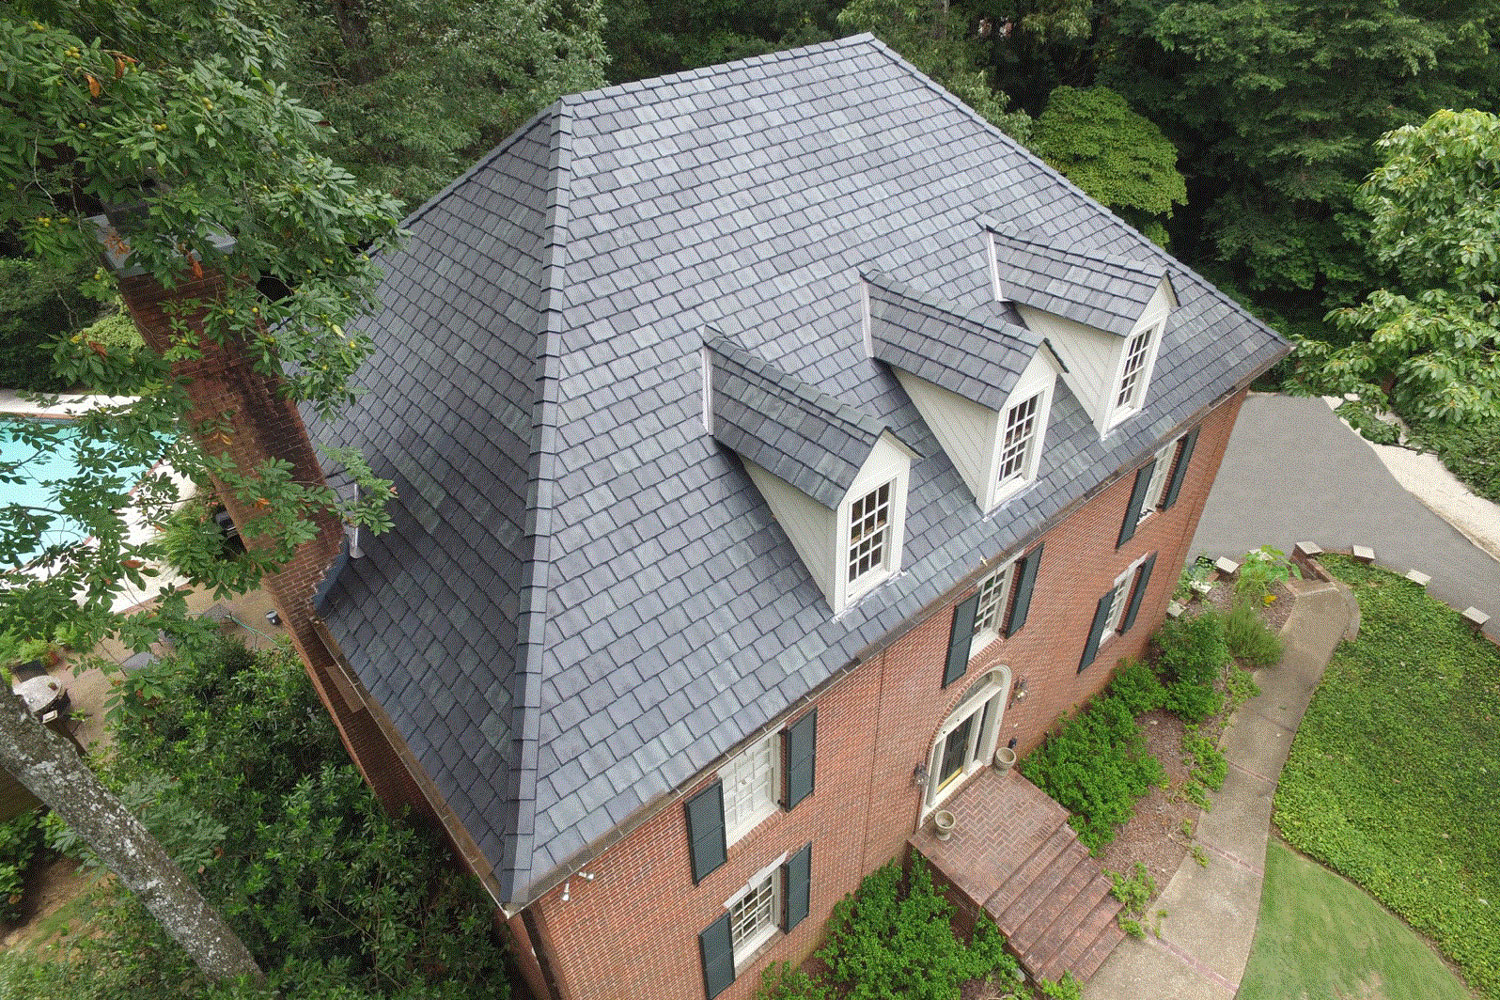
x: 1395, y: 771
x: 1321, y: 938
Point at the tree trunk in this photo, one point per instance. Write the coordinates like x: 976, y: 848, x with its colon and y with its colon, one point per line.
x: 45, y: 763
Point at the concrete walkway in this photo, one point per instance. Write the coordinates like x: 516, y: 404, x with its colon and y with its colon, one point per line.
x: 1294, y: 472
x: 1212, y: 912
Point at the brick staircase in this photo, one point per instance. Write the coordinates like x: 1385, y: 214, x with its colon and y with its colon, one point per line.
x: 1014, y: 854
x: 1056, y: 910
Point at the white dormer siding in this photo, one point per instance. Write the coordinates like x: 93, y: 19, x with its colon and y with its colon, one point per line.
x: 1096, y: 360
x: 973, y: 435
x: 821, y: 535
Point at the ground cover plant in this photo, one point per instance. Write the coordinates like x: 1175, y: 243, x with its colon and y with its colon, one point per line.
x: 21, y: 847
x: 893, y: 937
x: 1321, y: 936
x: 236, y: 768
x: 1395, y: 770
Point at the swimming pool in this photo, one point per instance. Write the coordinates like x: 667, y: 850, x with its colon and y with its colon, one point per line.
x: 43, y: 465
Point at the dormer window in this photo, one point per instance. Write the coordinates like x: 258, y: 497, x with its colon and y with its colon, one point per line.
x: 1133, y: 375
x: 870, y: 537
x: 1019, y: 439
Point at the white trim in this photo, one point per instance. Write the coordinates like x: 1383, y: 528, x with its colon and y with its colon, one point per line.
x: 759, y: 876
x: 708, y: 409
x: 746, y: 949
x: 889, y: 464
x: 983, y: 638
x: 1156, y: 487
x: 994, y: 258
x: 991, y: 689
x: 1038, y: 380
x: 1124, y: 584
x: 736, y: 826
x: 867, y: 321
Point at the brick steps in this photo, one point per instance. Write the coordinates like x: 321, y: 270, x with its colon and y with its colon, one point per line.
x: 1056, y: 911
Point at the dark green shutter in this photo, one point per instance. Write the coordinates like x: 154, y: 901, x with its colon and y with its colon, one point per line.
x: 1025, y: 580
x: 960, y: 639
x: 1137, y: 497
x: 1180, y: 473
x: 705, y: 820
x: 801, y: 758
x: 717, y: 950
x: 1096, y: 631
x: 798, y: 874
x: 1142, y: 577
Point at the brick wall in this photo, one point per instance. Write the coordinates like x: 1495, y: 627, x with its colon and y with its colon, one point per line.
x: 632, y: 932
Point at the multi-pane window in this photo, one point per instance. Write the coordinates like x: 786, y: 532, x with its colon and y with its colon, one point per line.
x: 750, y: 788
x: 989, y: 616
x: 1133, y: 377
x: 870, y: 532
x: 752, y: 917
x: 1157, y: 487
x: 1117, y: 600
x: 1018, y: 439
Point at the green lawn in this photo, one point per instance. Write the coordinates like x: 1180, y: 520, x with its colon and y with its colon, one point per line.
x: 1394, y: 777
x: 1321, y: 938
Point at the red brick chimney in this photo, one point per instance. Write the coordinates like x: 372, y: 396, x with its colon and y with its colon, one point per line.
x: 224, y: 385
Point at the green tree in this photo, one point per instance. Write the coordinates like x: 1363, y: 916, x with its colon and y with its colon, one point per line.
x: 36, y: 304
x: 163, y: 115
x: 937, y: 42
x: 1274, y: 105
x: 1116, y: 156
x: 413, y: 91
x: 649, y: 38
x: 1432, y: 346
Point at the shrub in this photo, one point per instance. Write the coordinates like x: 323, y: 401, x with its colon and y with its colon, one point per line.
x: 21, y: 846
x: 1066, y: 988
x: 1248, y: 637
x: 1208, y: 765
x: 1192, y: 649
x: 783, y: 981
x: 1135, y: 892
x: 37, y: 304
x: 1137, y: 687
x: 1097, y: 766
x: 1259, y: 570
x: 1193, y: 702
x: 893, y: 938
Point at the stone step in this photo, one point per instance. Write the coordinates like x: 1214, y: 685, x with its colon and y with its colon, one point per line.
x: 1042, y: 887
x: 1090, y: 945
x: 1073, y: 929
x: 1032, y: 932
x: 1025, y: 873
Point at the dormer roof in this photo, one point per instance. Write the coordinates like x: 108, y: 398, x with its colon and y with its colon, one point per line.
x: 794, y: 431
x: 1101, y: 290
x: 975, y: 351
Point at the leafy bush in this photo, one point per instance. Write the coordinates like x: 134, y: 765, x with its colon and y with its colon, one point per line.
x: 333, y: 897
x: 1207, y: 763
x: 784, y: 981
x: 37, y: 304
x: 1192, y: 649
x: 1137, y: 687
x: 1135, y: 892
x: 1471, y: 453
x: 1193, y: 702
x: 1066, y: 988
x: 1259, y: 570
x: 20, y: 847
x: 1240, y: 687
x: 1248, y: 637
x: 1097, y: 766
x: 893, y: 938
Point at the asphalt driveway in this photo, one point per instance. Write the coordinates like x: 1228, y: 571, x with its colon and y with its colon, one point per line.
x: 1294, y: 472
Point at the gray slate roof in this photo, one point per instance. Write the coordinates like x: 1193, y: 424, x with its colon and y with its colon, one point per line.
x: 584, y: 600
x: 977, y: 351
x: 1103, y: 290
x: 795, y: 432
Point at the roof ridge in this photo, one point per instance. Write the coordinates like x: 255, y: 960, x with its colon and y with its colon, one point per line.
x: 1154, y: 269
x: 520, y: 133
x: 717, y: 69
x: 831, y: 404
x: 906, y: 289
x: 526, y: 681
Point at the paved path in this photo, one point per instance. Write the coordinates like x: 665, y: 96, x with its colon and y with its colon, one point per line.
x: 1294, y: 472
x: 1212, y: 911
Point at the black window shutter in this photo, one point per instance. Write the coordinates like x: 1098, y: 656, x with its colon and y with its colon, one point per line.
x: 798, y: 875
x: 1025, y: 580
x: 1096, y: 631
x: 801, y: 758
x: 1137, y: 497
x: 960, y: 639
x: 717, y: 950
x: 705, y: 820
x: 1142, y: 577
x: 1180, y: 473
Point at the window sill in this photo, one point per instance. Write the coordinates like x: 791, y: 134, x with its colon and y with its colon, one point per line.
x: 981, y: 644
x: 757, y: 952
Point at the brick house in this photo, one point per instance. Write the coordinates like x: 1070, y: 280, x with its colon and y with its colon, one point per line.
x: 774, y: 442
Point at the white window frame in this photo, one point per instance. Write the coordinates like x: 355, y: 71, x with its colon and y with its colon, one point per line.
x: 751, y: 783
x: 1120, y: 599
x: 883, y: 535
x: 992, y: 690
x: 1038, y: 382
x: 995, y: 593
x: 746, y: 947
x: 1156, y: 489
x: 1149, y: 334
x: 1019, y: 454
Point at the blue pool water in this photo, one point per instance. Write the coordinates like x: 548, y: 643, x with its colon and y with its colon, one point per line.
x: 43, y: 466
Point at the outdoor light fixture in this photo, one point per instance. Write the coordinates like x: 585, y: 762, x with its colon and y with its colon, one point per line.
x: 919, y: 776
x: 1018, y: 692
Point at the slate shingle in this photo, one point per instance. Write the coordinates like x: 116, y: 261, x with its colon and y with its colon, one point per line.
x: 536, y: 396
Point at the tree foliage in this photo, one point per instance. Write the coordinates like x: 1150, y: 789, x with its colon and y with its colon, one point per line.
x: 1431, y: 346
x: 1119, y: 158
x: 412, y: 91
x: 647, y: 38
